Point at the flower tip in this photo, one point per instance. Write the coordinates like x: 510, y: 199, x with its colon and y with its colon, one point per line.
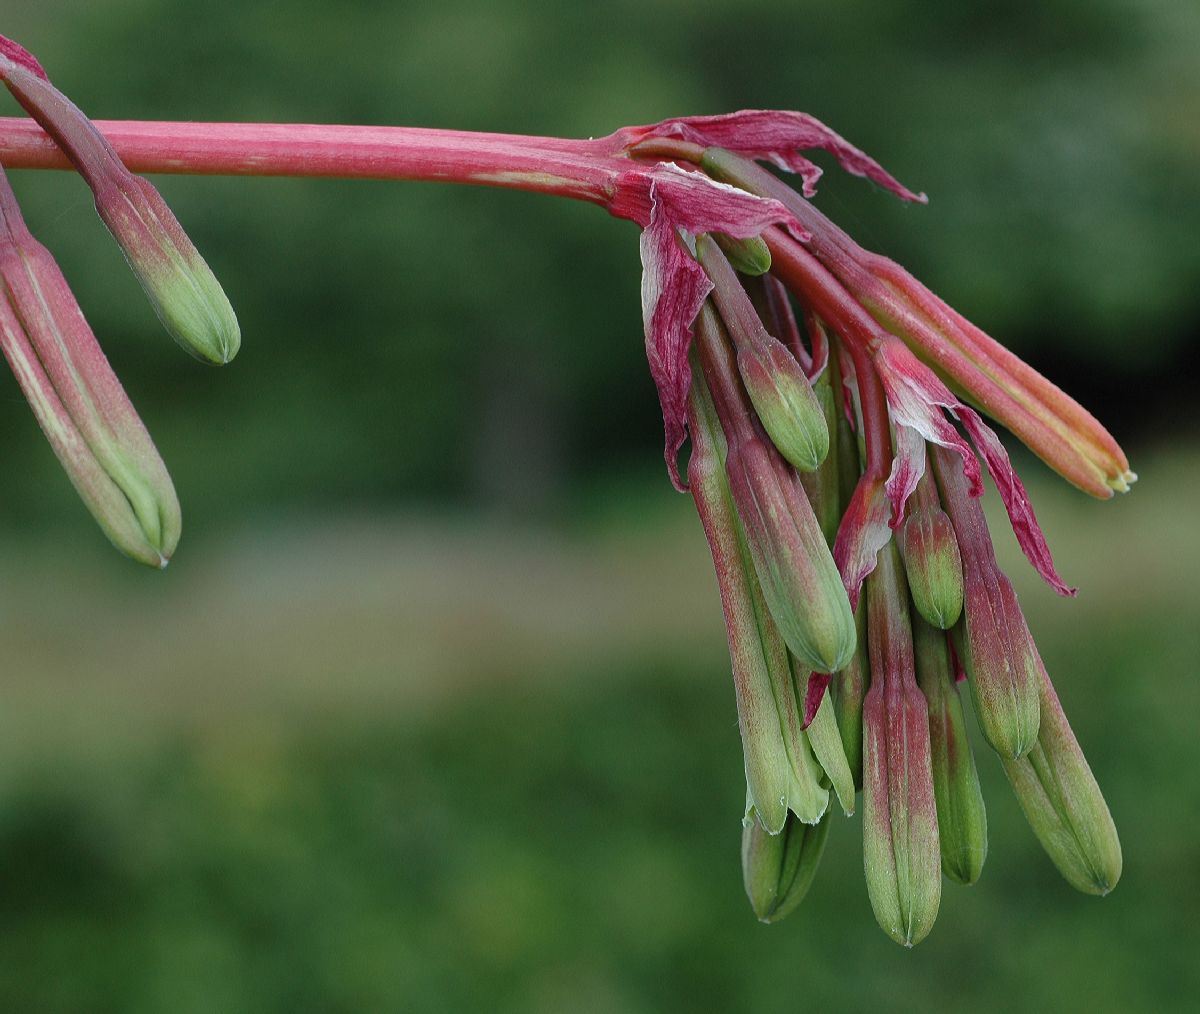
x: 1122, y: 482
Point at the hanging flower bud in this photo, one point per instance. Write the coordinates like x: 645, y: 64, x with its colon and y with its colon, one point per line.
x: 962, y: 819
x: 900, y: 824
x: 179, y: 284
x: 992, y: 640
x: 1063, y: 803
x: 78, y: 401
x: 781, y: 772
x: 795, y: 570
x: 931, y: 559
x: 778, y: 388
x: 778, y: 869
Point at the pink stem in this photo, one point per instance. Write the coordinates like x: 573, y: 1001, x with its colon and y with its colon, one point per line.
x: 586, y: 170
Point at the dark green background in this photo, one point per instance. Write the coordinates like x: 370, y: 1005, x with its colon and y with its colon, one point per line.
x: 431, y: 711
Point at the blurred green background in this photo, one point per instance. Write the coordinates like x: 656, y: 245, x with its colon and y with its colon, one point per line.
x: 432, y: 712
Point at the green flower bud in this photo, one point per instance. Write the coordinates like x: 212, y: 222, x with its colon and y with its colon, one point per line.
x: 778, y: 389
x: 901, y: 855
x: 992, y: 639
x: 961, y: 817
x: 79, y: 403
x: 1063, y: 803
x: 794, y: 566
x: 748, y: 256
x: 931, y: 558
x: 179, y: 284
x: 778, y: 869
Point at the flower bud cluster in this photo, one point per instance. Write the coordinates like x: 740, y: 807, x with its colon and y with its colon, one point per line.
x: 838, y: 481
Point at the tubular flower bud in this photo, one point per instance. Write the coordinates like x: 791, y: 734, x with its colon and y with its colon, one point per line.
x: 992, y: 640
x: 794, y: 567
x: 778, y: 869
x: 931, y: 558
x: 1063, y: 803
x: 778, y: 389
x: 781, y: 772
x: 962, y: 819
x: 78, y: 401
x: 178, y: 282
x: 900, y: 822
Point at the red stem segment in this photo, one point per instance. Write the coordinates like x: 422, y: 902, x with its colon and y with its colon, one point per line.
x: 585, y: 170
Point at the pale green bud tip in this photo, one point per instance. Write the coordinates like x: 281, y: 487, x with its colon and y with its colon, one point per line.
x: 748, y: 256
x: 778, y: 869
x: 784, y: 400
x: 195, y: 311
x: 181, y: 287
x: 934, y: 566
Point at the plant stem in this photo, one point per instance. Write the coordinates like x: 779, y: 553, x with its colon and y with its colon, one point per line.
x: 585, y: 170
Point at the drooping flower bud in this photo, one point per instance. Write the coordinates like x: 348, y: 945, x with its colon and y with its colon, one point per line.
x: 78, y: 401
x: 782, y: 774
x: 778, y: 869
x: 795, y: 570
x: 993, y: 640
x: 900, y: 826
x: 779, y: 390
x: 962, y: 819
x: 1062, y: 802
x: 178, y: 282
x: 931, y: 559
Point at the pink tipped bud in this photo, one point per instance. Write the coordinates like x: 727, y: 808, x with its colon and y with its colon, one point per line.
x: 78, y: 400
x: 993, y: 641
x: 1063, y: 804
x: 179, y: 284
x: 962, y: 819
x: 931, y: 559
x: 778, y: 869
x: 900, y: 825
